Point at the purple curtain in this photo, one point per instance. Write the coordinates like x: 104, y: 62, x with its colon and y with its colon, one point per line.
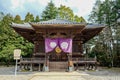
x: 50, y: 44
x: 64, y: 44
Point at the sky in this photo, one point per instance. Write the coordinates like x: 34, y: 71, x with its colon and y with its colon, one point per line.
x: 21, y: 7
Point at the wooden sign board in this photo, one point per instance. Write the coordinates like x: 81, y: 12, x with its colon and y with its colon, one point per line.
x: 17, y: 53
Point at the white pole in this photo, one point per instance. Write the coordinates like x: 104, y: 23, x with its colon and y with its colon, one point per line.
x: 16, y: 68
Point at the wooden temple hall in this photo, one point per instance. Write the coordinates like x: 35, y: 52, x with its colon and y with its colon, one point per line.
x: 58, y: 44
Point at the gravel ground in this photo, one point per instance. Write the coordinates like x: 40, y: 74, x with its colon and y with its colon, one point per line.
x: 7, y: 73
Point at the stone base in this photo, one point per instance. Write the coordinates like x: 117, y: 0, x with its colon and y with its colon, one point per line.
x: 46, y: 68
x: 70, y: 69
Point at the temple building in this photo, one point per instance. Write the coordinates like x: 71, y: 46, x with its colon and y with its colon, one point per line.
x: 58, y: 44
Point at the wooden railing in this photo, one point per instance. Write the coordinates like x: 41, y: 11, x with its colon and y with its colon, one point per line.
x: 27, y: 63
x: 41, y: 60
x: 31, y: 60
x: 89, y: 63
x: 84, y: 59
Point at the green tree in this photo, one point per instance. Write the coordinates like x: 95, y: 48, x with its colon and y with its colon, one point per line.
x: 82, y: 20
x: 79, y: 19
x: 50, y: 12
x: 10, y: 40
x: 116, y: 20
x: 65, y: 13
x: 6, y: 38
x: 76, y: 18
x: 29, y: 17
x: 106, y: 12
x: 62, y: 12
x: 37, y: 19
x: 17, y: 19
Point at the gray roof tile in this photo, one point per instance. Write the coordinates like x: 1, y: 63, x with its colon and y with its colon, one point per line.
x: 90, y: 26
x: 58, y: 21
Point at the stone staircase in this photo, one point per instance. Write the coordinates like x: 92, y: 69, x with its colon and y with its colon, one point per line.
x: 58, y: 66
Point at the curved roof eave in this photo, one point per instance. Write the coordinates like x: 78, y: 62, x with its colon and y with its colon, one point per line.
x: 93, y: 26
x: 90, y: 31
x: 22, y: 26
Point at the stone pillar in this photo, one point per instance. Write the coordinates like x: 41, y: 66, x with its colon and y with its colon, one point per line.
x: 31, y: 67
x: 39, y: 67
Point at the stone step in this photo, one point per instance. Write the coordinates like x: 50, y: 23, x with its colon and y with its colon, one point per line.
x: 58, y: 66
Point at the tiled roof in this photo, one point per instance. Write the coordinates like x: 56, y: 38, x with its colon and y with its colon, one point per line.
x: 58, y: 21
x: 55, y: 21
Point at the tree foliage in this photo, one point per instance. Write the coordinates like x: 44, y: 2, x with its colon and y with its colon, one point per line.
x: 106, y: 12
x: 50, y: 12
x: 6, y: 38
x: 10, y: 40
x: 62, y: 12
x: 37, y: 19
x: 17, y: 19
x: 79, y: 19
x: 29, y: 17
x: 65, y: 13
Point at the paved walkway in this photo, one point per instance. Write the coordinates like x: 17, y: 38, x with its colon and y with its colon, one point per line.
x: 7, y: 73
x: 58, y: 76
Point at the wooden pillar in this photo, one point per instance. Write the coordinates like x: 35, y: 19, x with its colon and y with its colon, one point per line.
x: 95, y: 63
x: 70, y: 63
x: 81, y: 47
x: 35, y: 47
x: 31, y: 67
x: 46, y: 66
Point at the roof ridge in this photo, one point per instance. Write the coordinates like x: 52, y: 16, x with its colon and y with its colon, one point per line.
x: 58, y: 21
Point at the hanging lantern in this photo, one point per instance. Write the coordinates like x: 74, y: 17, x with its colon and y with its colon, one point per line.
x: 58, y: 50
